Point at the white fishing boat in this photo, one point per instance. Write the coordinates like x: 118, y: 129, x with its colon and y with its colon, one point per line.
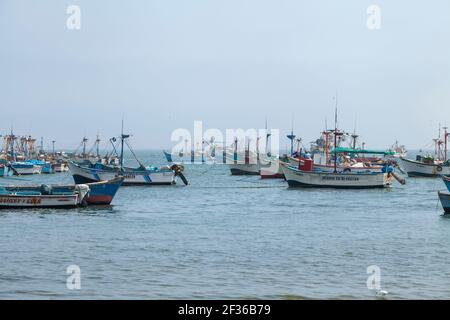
x: 133, y: 176
x: 41, y: 197
x: 304, y: 175
x: 25, y: 168
x: 88, y: 172
x: 430, y: 165
x: 425, y: 168
x: 246, y: 164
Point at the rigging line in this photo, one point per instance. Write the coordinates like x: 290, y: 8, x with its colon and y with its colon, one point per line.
x: 134, y: 155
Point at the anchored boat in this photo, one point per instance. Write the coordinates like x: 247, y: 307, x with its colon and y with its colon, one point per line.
x: 425, y: 167
x: 102, y: 192
x: 87, y: 172
x: 41, y: 197
x: 132, y: 176
x: 305, y: 176
x: 430, y: 166
x: 248, y: 166
x: 25, y: 168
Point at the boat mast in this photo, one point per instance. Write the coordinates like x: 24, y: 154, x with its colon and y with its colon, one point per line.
x: 267, y: 140
x: 446, y: 134
x: 84, y: 147
x: 235, y: 156
x: 335, y: 135
x: 121, y: 147
x: 439, y: 144
x: 98, y: 146
x: 292, y: 137
x: 12, y: 137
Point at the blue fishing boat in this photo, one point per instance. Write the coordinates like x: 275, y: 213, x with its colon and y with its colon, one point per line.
x: 87, y: 172
x: 46, y: 167
x: 102, y: 192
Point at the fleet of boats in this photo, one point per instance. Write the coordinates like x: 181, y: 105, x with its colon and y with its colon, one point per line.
x: 335, y: 160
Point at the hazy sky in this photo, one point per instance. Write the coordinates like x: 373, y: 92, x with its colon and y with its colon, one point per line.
x: 231, y: 63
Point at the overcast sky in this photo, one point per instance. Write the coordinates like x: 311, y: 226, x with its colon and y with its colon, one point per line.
x: 230, y: 63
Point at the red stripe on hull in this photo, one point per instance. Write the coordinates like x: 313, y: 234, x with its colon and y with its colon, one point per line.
x: 99, y: 199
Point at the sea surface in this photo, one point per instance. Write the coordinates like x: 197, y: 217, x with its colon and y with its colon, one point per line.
x: 231, y: 237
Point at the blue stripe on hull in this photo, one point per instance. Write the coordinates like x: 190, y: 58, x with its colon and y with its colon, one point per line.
x: 296, y: 184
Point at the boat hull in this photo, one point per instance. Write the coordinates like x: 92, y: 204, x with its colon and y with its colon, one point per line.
x: 298, y: 178
x: 41, y: 201
x: 244, y: 169
x: 272, y: 170
x: 447, y: 182
x: 100, y: 193
x: 444, y: 197
x: 420, y: 169
x: 83, y: 175
x: 26, y: 169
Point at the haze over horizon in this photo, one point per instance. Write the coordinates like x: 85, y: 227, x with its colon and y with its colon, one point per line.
x: 229, y: 63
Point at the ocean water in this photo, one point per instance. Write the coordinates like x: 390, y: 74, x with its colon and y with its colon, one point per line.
x: 233, y: 237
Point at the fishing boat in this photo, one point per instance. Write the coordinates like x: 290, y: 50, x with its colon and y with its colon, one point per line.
x: 100, y: 193
x: 87, y: 172
x: 25, y: 168
x: 132, y: 176
x: 305, y: 176
x: 41, y: 197
x: 46, y: 167
x: 430, y: 165
x: 426, y: 166
x: 248, y: 166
